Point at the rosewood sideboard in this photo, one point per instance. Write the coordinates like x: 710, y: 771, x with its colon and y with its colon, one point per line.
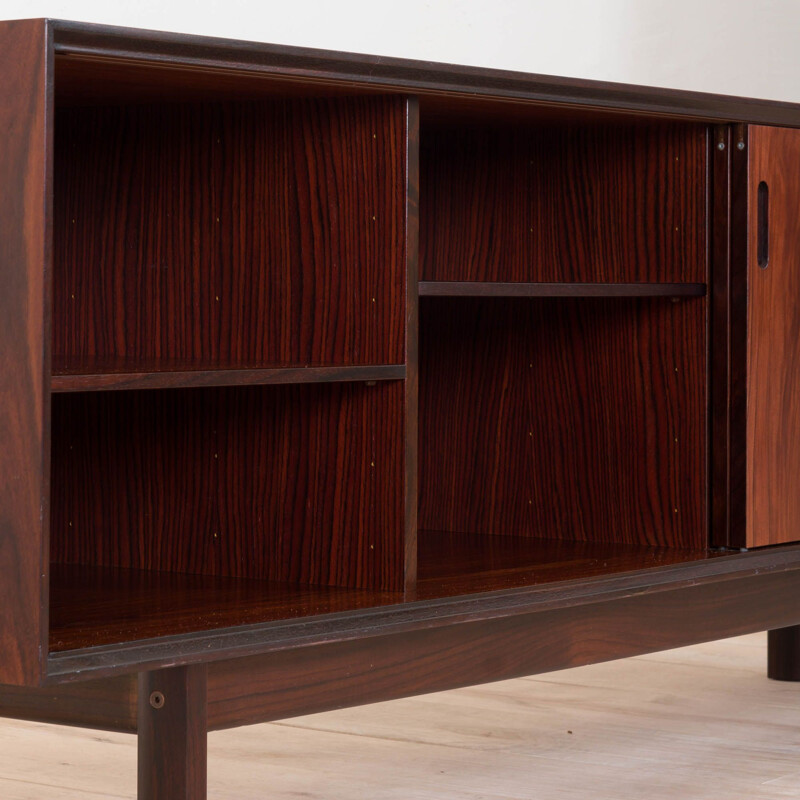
x: 327, y: 379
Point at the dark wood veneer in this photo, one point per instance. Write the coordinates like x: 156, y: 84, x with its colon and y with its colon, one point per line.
x: 96, y: 606
x: 230, y: 235
x: 25, y: 177
x: 364, y: 671
x: 736, y: 571
x: 371, y: 667
x: 114, y: 375
x: 108, y: 705
x: 784, y: 654
x: 728, y: 223
x: 240, y: 236
x: 412, y: 343
x: 102, y: 44
x: 576, y: 204
x: 574, y: 419
x: 172, y: 717
x: 561, y: 289
x: 293, y: 483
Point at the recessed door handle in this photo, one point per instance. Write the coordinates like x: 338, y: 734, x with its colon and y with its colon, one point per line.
x: 763, y: 225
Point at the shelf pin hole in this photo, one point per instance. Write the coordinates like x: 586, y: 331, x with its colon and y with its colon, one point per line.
x: 157, y: 700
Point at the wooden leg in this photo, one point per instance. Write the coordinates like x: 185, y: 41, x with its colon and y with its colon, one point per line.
x: 173, y: 734
x: 783, y: 650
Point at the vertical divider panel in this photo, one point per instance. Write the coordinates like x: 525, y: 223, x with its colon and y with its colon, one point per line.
x: 412, y: 343
x: 719, y: 313
x: 25, y: 214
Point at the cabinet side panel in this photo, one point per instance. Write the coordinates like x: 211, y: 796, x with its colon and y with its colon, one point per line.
x: 24, y: 98
x: 773, y: 392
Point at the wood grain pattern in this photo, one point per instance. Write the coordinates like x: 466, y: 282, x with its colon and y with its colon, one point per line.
x: 720, y: 163
x: 226, y: 698
x: 262, y: 235
x: 591, y: 203
x: 773, y: 390
x: 108, y: 379
x: 412, y: 343
x: 294, y: 483
x: 467, y: 563
x: 682, y: 713
x: 25, y: 175
x: 564, y: 289
x: 581, y: 420
x: 728, y: 336
x: 98, y: 606
x: 209, y: 646
x: 99, y: 45
x: 386, y: 667
x: 108, y: 705
x: 173, y: 737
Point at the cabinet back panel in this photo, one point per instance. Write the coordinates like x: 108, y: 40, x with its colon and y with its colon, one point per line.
x: 575, y: 419
x: 289, y: 483
x: 584, y: 203
x: 214, y: 235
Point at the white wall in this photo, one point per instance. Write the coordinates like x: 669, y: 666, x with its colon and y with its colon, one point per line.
x: 748, y: 47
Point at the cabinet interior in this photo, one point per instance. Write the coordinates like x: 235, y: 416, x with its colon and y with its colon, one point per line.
x: 234, y: 407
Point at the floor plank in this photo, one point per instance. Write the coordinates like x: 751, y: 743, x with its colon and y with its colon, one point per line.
x: 698, y: 723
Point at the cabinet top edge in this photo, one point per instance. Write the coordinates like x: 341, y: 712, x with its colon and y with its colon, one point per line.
x: 106, y: 42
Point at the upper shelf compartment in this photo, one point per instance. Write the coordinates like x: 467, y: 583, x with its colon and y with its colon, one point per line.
x: 264, y: 234
x: 537, y: 202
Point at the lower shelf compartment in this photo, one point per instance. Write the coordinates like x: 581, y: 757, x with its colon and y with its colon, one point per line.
x: 93, y: 606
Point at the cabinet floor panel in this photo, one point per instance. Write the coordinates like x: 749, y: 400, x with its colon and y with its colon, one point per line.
x: 91, y: 606
x: 466, y: 563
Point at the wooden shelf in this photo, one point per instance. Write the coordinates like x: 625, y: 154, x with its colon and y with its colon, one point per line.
x: 112, y: 380
x: 538, y: 289
x: 93, y: 606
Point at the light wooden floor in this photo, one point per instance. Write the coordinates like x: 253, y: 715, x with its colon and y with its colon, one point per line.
x: 701, y: 722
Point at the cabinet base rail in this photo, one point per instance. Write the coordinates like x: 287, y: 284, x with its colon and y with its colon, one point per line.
x: 377, y: 667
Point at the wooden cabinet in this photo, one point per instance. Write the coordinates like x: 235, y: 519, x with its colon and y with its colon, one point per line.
x: 327, y: 379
